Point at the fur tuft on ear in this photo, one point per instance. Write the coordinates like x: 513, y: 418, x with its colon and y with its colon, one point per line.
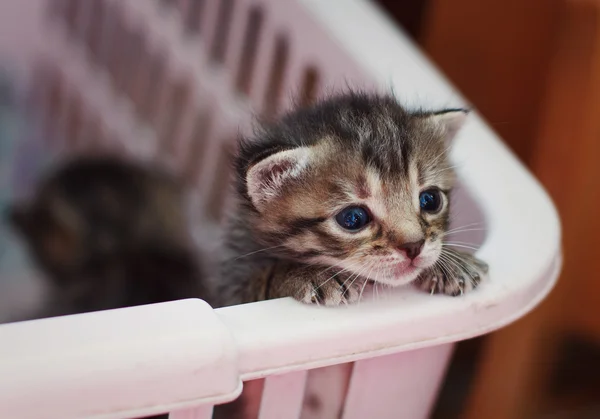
x: 450, y: 121
x: 266, y: 179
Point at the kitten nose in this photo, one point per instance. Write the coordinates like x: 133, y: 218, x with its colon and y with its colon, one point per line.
x: 412, y: 249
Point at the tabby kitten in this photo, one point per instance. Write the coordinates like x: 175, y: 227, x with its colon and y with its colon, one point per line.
x: 351, y: 190
x: 109, y: 233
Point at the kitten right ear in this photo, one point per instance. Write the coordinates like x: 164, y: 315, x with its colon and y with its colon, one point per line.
x: 450, y: 121
x: 266, y: 179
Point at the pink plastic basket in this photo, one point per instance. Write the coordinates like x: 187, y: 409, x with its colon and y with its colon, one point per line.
x: 177, y: 82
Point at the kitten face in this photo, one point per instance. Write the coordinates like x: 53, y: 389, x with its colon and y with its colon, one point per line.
x: 360, y: 184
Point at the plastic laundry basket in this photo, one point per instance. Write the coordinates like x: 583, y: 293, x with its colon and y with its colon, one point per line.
x: 177, y: 81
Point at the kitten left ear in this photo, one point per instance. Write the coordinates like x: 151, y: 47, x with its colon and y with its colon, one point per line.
x: 450, y: 121
x: 266, y: 179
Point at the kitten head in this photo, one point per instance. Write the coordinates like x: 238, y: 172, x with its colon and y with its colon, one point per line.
x: 109, y: 233
x: 96, y: 209
x: 356, y: 182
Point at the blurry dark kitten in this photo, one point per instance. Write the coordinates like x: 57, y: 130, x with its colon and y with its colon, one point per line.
x: 108, y: 234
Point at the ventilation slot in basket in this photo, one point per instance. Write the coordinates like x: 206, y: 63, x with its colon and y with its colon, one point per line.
x: 310, y: 83
x: 280, y: 61
x: 116, y: 36
x: 73, y: 15
x: 142, y: 83
x: 138, y: 70
x: 194, y: 16
x: 133, y: 64
x: 178, y: 100
x: 130, y: 54
x: 219, y: 47
x: 221, y: 179
x: 95, y: 29
x: 198, y: 145
x: 244, y: 80
x: 56, y: 9
x: 167, y: 3
x: 157, y: 75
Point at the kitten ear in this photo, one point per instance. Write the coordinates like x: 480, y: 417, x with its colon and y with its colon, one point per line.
x: 450, y: 121
x: 266, y: 179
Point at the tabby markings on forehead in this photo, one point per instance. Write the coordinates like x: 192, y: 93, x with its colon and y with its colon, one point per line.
x: 362, y: 187
x: 413, y: 173
x: 376, y: 201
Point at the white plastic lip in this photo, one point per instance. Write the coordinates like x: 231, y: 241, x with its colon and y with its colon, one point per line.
x: 142, y: 360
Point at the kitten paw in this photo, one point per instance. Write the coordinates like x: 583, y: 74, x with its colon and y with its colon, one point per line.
x: 318, y: 285
x: 454, y: 275
x: 313, y: 286
x: 333, y: 292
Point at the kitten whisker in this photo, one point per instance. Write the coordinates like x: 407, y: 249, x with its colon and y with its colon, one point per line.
x: 459, y: 263
x: 459, y: 245
x: 366, y: 281
x: 355, y: 276
x: 367, y: 266
x: 449, y: 265
x: 324, y: 270
x: 454, y: 277
x: 463, y: 227
x: 362, y: 290
x: 446, y: 234
x: 444, y: 265
x: 337, y: 273
x: 377, y: 278
x: 258, y: 251
x: 442, y: 170
x: 460, y: 242
x: 441, y: 155
x: 458, y: 260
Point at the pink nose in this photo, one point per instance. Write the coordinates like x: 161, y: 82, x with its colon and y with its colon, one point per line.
x: 413, y: 249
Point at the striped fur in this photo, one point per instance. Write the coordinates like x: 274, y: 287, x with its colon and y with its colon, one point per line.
x: 294, y: 176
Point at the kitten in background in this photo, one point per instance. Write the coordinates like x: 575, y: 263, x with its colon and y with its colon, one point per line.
x: 109, y: 233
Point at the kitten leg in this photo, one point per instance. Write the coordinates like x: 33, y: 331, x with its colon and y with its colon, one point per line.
x: 455, y: 273
x: 317, y: 285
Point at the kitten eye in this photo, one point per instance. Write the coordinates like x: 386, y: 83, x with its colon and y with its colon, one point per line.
x: 430, y: 200
x: 353, y: 218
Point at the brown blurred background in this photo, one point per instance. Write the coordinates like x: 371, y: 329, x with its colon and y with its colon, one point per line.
x: 530, y: 67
